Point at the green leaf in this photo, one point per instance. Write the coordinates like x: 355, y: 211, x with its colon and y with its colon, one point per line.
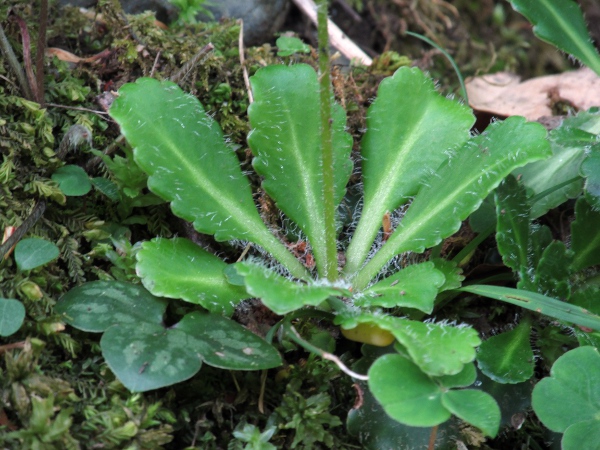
x: 475, y: 407
x: 508, y: 357
x: 107, y: 187
x: 97, y: 305
x: 12, y: 314
x: 72, y: 180
x: 590, y: 169
x: 226, y: 344
x: 458, y: 187
x: 285, y: 140
x: 583, y: 435
x: 585, y: 235
x: 399, y: 149
x: 452, y: 273
x: 406, y: 394
x: 512, y: 230
x: 34, y: 252
x: 466, y: 377
x: 281, y: 295
x: 182, y: 150
x: 178, y: 268
x: 415, y: 286
x: 437, y: 348
x: 146, y: 355
x: 539, y: 303
x: 561, y: 23
x: 572, y: 392
x: 552, y: 274
x: 288, y: 45
x: 149, y: 356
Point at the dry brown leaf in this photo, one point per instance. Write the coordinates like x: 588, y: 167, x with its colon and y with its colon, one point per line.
x: 502, y: 93
x: 64, y: 55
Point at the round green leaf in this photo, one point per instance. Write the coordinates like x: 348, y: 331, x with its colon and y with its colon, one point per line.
x: 582, y: 436
x: 475, y: 407
x: 12, y: 314
x: 72, y: 180
x: 466, y: 377
x: 149, y: 356
x: 178, y: 268
x: 571, y: 393
x: 226, y: 344
x: 406, y: 393
x: 508, y: 357
x: 288, y: 45
x: 34, y: 252
x: 97, y: 305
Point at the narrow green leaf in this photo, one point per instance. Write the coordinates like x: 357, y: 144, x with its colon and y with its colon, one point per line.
x: 34, y: 252
x: 406, y: 394
x: 590, y: 169
x: 458, y: 187
x: 415, y: 286
x: 286, y: 142
x: 538, y: 303
x: 178, y: 268
x: 585, y: 235
x: 182, y: 150
x: 280, y: 294
x: 512, y: 230
x: 97, y: 305
x: 583, y: 435
x: 149, y: 356
x: 72, y: 180
x: 475, y: 407
x: 12, y: 314
x: 226, y: 344
x: 400, y: 150
x: 571, y: 393
x: 508, y: 357
x: 561, y: 23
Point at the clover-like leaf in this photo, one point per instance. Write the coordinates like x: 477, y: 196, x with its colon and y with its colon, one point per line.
x: 280, y: 294
x: 178, y: 268
x: 182, y: 150
x: 458, y: 187
x: 399, y: 149
x: 406, y: 393
x: 143, y: 353
x: 508, y: 357
x: 571, y: 394
x: 415, y: 286
x: 585, y: 235
x: 286, y: 142
x: 72, y: 180
x: 561, y: 23
x: 31, y: 253
x: 475, y: 407
x: 583, y: 435
x: 12, y: 314
x: 452, y: 274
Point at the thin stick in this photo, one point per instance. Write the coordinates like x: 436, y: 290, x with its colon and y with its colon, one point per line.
x: 27, y: 56
x: 323, y: 354
x: 188, y: 66
x: 79, y: 108
x: 336, y: 36
x: 41, y: 49
x: 154, y: 65
x: 432, y: 438
x: 9, y: 54
x: 35, y: 215
x: 242, y: 62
